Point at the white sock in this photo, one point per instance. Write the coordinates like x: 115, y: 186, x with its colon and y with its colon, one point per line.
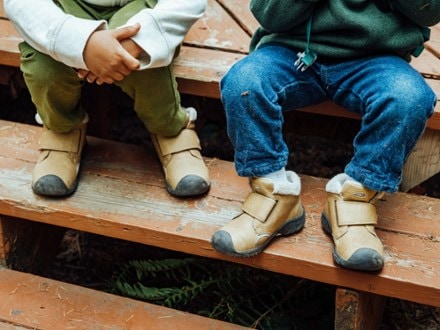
x: 285, y: 182
x: 192, y: 114
x: 337, y: 182
x: 279, y: 176
x: 38, y: 119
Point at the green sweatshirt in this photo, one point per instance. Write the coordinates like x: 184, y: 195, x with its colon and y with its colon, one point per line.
x: 346, y: 29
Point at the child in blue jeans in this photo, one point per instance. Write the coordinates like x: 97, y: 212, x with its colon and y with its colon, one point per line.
x: 355, y: 53
x: 130, y: 43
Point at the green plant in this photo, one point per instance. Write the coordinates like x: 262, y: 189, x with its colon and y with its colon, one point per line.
x: 230, y: 292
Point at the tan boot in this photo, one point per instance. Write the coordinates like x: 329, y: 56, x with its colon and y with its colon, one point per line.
x: 265, y: 214
x: 56, y: 171
x: 350, y: 217
x: 186, y: 173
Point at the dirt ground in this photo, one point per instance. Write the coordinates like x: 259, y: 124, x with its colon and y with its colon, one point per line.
x: 90, y: 260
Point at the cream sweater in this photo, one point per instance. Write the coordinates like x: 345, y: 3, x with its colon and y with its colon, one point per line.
x: 49, y: 30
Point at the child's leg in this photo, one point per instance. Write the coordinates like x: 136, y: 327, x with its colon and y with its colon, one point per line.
x: 255, y: 92
x: 56, y: 92
x: 55, y: 89
x: 395, y: 103
x: 156, y: 100
x: 154, y: 91
x: 157, y: 103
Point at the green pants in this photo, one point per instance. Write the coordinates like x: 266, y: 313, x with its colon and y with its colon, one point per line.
x: 56, y: 89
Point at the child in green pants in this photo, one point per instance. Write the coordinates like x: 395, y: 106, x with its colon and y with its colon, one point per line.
x: 129, y: 43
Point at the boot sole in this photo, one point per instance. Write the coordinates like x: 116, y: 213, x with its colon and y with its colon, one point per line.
x: 290, y: 227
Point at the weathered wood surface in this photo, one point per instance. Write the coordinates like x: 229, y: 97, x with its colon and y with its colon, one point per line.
x: 40, y: 303
x: 122, y: 195
x: 423, y: 162
x: 357, y: 310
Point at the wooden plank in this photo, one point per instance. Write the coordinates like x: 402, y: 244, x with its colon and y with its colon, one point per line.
x: 423, y: 162
x: 434, y: 121
x: 42, y: 303
x: 202, y: 78
x: 4, y: 244
x: 2, y: 10
x: 427, y: 64
x: 8, y: 326
x: 358, y: 310
x: 9, y: 39
x: 121, y: 195
x: 433, y: 45
x: 239, y: 10
x: 218, y: 30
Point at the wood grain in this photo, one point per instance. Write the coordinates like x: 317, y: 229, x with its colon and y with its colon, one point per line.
x: 122, y: 195
x: 40, y: 303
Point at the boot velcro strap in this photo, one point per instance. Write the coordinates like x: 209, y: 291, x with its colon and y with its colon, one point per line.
x: 258, y: 206
x: 187, y: 139
x: 68, y: 142
x: 351, y: 213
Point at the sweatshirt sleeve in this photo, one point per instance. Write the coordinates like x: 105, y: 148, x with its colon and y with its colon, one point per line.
x: 163, y: 29
x: 422, y: 12
x: 49, y: 30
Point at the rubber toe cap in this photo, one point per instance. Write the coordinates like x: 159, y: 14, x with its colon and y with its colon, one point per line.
x: 52, y: 185
x: 190, y: 185
x: 362, y: 259
x: 222, y: 242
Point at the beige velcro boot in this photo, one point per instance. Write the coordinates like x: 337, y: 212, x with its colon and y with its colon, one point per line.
x: 56, y: 171
x: 265, y: 214
x: 186, y: 173
x: 350, y: 217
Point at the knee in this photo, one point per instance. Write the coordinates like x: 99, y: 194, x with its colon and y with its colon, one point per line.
x: 408, y: 103
x: 416, y: 99
x: 241, y: 79
x: 39, y: 68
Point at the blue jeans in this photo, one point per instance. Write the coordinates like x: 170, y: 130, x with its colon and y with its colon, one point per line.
x: 392, y: 98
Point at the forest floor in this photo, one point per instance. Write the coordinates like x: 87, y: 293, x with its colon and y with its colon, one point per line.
x: 320, y: 147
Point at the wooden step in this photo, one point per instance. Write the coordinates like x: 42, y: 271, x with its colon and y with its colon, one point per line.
x: 121, y: 194
x: 40, y: 303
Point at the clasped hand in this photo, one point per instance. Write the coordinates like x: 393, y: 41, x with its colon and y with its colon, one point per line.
x: 110, y: 55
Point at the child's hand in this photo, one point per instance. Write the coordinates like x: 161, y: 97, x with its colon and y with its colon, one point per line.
x: 132, y: 48
x: 129, y: 45
x: 106, y: 57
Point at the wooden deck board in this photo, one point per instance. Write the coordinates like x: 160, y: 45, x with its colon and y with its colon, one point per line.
x: 239, y: 10
x: 9, y: 40
x: 218, y: 30
x: 132, y: 204
x: 433, y: 45
x: 41, y: 303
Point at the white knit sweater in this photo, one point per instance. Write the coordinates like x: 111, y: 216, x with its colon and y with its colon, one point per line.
x: 49, y: 30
